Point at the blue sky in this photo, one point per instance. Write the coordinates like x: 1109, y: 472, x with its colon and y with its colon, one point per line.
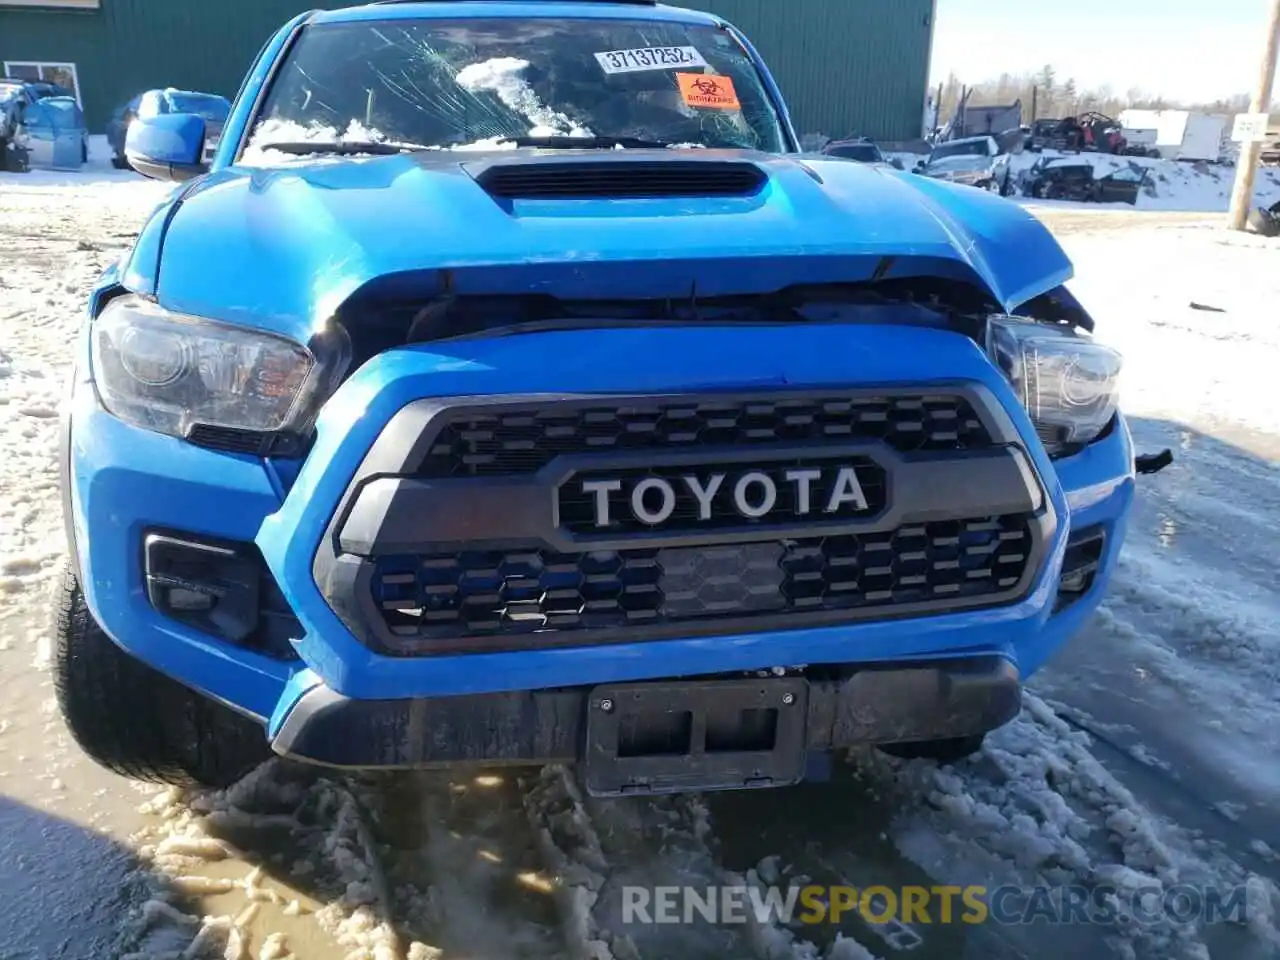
x: 1181, y: 49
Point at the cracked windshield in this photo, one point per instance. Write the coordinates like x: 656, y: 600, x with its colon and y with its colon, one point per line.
x: 495, y: 84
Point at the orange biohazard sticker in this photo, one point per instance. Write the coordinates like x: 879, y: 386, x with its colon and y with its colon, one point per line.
x: 708, y: 90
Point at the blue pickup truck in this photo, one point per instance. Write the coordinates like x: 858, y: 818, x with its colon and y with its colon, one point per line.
x: 510, y: 388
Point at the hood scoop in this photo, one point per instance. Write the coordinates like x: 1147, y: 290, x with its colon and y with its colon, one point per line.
x: 538, y: 178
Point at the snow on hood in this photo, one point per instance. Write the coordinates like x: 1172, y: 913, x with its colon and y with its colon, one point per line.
x: 501, y: 76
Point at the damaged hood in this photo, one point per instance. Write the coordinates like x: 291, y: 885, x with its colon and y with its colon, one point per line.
x: 283, y: 247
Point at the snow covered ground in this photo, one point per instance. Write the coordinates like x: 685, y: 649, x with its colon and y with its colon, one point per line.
x: 1171, y: 185
x: 1145, y: 755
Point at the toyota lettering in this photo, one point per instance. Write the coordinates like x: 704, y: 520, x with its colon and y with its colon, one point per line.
x: 752, y: 494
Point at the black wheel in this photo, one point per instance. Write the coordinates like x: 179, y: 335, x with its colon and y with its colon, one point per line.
x: 134, y: 720
x: 84, y: 152
x: 948, y: 751
x: 1264, y: 222
x: 119, y: 162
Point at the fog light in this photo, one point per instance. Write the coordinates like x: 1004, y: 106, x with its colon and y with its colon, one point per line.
x: 1080, y: 566
x: 208, y: 585
x: 185, y: 600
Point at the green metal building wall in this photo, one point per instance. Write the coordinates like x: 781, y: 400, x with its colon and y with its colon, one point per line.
x: 845, y: 66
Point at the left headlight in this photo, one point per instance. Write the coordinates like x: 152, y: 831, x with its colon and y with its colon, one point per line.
x: 171, y: 373
x: 1067, y: 383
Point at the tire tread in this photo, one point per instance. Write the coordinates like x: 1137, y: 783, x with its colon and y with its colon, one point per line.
x: 134, y: 720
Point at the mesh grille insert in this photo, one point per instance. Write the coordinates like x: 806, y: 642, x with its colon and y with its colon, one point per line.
x: 495, y: 593
x: 515, y: 441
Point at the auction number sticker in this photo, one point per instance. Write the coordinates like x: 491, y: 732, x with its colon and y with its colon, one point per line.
x: 708, y: 90
x: 649, y: 58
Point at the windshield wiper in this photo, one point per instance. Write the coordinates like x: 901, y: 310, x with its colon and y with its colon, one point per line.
x: 586, y: 143
x: 342, y: 148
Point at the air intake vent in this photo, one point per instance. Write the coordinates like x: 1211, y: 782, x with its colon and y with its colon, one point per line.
x: 621, y: 178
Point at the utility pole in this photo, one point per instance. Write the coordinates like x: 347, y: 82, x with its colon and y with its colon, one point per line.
x: 1242, y: 195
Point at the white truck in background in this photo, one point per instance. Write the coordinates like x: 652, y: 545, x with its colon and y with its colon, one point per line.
x: 1178, y: 134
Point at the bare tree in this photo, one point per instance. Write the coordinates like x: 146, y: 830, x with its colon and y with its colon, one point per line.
x: 1069, y: 97
x: 1056, y: 100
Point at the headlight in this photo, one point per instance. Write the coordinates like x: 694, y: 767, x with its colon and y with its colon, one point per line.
x: 1067, y: 383
x: 172, y: 373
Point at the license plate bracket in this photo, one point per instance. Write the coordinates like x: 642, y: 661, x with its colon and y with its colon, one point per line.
x: 656, y: 738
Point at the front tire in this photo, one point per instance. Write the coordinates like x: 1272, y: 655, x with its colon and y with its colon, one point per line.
x: 134, y: 720
x: 119, y: 162
x: 945, y: 752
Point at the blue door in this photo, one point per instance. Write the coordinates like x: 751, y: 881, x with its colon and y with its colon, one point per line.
x: 55, y: 133
x: 68, y: 132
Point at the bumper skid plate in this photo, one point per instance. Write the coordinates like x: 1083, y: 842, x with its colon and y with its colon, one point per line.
x: 661, y: 736
x: 648, y: 738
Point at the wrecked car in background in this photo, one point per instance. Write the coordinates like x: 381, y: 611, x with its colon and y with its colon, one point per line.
x: 41, y: 126
x: 45, y: 133
x: 1068, y: 178
x: 510, y: 388
x: 974, y: 162
x: 859, y: 149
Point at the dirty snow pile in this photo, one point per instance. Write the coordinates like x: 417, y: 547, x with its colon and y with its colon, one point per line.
x: 198, y: 833
x: 1040, y: 807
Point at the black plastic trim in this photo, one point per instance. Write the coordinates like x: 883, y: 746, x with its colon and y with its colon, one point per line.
x: 891, y: 703
x: 247, y: 587
x: 174, y: 172
x: 391, y: 517
x: 394, y: 515
x: 1086, y: 548
x: 619, y: 174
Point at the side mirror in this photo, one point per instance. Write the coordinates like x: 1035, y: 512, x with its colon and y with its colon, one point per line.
x: 167, y: 147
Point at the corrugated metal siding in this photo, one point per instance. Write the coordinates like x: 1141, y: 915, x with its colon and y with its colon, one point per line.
x: 845, y: 66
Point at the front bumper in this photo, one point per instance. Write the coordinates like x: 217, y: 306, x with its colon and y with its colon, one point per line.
x: 876, y: 705
x: 125, y: 481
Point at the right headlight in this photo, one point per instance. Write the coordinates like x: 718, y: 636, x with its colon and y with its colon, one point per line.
x: 1067, y: 383
x: 173, y: 373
